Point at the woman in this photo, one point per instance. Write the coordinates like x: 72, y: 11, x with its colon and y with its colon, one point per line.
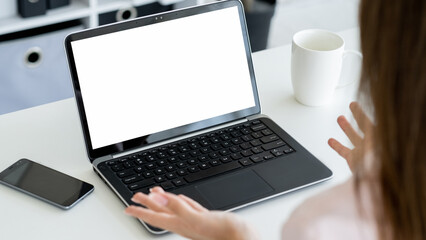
x: 386, y: 197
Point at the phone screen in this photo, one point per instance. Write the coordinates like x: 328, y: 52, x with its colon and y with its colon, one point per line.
x: 45, y: 183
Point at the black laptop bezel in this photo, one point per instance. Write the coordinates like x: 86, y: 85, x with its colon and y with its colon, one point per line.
x: 171, y: 133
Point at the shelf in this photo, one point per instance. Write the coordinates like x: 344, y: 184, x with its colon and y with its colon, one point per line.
x: 75, y: 10
x: 86, y: 10
x: 113, y: 5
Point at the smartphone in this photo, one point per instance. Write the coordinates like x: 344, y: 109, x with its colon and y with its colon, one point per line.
x: 45, y: 183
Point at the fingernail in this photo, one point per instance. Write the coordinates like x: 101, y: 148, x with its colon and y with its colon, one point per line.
x: 159, y: 199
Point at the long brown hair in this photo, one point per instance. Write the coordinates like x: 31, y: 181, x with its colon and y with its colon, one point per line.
x: 393, y: 38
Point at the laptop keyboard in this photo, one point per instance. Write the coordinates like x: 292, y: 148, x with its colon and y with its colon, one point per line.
x: 190, y: 160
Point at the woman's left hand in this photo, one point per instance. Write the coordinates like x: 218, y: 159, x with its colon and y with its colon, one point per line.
x: 184, y: 216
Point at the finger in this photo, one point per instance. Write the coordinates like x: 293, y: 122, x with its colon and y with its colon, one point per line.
x: 195, y: 205
x: 156, y: 189
x: 160, y: 220
x: 341, y: 150
x: 361, y: 118
x: 178, y: 206
x: 150, y: 201
x: 347, y: 128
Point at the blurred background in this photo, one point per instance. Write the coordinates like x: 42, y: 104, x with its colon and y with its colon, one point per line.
x: 33, y: 68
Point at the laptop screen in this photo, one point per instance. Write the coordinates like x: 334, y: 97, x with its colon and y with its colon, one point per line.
x: 157, y: 77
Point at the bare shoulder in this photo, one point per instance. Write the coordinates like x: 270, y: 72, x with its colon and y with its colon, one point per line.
x: 332, y: 214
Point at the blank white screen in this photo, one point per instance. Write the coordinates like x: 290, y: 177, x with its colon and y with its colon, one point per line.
x: 157, y: 77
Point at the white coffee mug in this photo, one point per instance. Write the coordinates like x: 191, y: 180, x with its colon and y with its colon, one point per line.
x: 316, y: 64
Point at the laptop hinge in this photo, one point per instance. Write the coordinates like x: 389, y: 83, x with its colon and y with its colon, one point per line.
x: 252, y: 117
x: 104, y: 158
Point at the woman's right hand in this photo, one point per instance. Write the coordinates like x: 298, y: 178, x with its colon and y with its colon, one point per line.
x: 362, y: 145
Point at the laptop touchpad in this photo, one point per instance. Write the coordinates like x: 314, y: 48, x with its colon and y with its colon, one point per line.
x: 233, y: 190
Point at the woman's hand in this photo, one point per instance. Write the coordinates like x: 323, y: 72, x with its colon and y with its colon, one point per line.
x: 184, y: 216
x: 362, y: 145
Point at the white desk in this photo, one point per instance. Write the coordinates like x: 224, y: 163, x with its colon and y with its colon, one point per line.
x: 50, y: 134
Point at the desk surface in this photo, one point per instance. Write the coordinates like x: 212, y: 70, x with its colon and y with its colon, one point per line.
x: 50, y: 134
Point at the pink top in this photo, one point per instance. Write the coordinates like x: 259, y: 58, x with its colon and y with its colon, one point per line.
x: 333, y: 214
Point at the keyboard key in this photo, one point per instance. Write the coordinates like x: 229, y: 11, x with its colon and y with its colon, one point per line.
x: 216, y: 147
x: 258, y: 127
x: 111, y: 163
x: 167, y: 185
x: 181, y: 165
x: 226, y: 144
x: 246, y: 162
x: 257, y: 135
x: 117, y: 167
x: 273, y: 145
x: 179, y: 182
x: 256, y: 158
x: 205, y: 143
x: 171, y: 175
x: 195, y: 153
x: 257, y: 150
x: 126, y: 173
x: 159, y: 171
x: 225, y: 159
x: 141, y: 184
x: 193, y: 169
x: 288, y: 150
x: 139, y: 161
x: 173, y: 159
x: 170, y: 168
x: 173, y: 152
x: 162, y: 163
x: 255, y: 142
x: 184, y: 149
x: 161, y: 155
x: 150, y: 166
x: 132, y: 179
x: 214, y: 162
x: 267, y: 132
x: 224, y: 152
x: 256, y: 122
x: 235, y: 149
x: 182, y: 172
x: 277, y: 152
x: 213, y: 171
x: 246, y: 131
x: 205, y: 150
x: 236, y: 134
x: 269, y: 138
x: 225, y: 137
x: 159, y: 179
x: 214, y: 155
x: 203, y: 166
x: 194, y: 146
x: 236, y: 156
x: 246, y: 146
x: 247, y: 138
x: 236, y: 141
x: 192, y: 161
x: 246, y: 153
x: 148, y: 174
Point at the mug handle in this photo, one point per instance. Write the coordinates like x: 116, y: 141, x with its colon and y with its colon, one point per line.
x: 346, y: 53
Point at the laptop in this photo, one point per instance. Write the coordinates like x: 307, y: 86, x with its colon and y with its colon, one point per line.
x: 171, y: 100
